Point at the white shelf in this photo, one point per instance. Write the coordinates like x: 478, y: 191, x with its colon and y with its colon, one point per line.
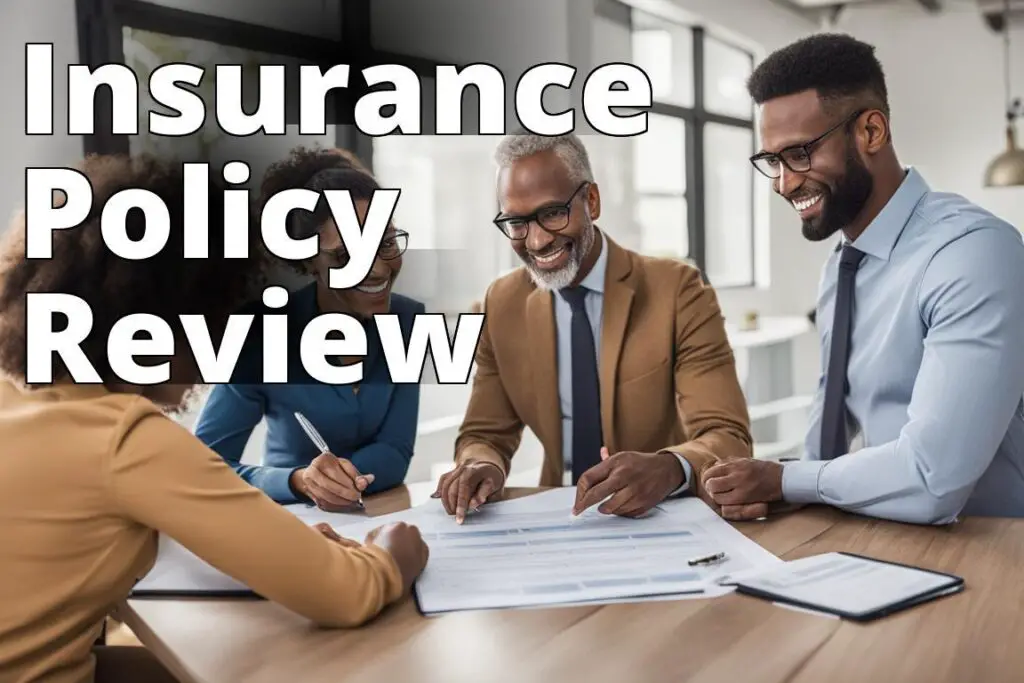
x: 778, y: 449
x: 440, y: 424
x: 771, y: 330
x: 779, y: 406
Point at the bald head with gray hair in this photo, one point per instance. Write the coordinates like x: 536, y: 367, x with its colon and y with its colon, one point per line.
x: 568, y: 148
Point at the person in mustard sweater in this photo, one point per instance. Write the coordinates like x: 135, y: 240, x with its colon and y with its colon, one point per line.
x: 92, y: 472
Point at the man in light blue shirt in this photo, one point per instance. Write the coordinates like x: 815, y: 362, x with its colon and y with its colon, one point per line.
x: 920, y: 310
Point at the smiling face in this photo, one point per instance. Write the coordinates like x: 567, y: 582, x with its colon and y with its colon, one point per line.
x: 833, y: 193
x: 538, y: 188
x: 373, y: 295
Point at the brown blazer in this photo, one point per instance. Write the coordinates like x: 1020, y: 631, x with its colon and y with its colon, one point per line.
x: 668, y: 375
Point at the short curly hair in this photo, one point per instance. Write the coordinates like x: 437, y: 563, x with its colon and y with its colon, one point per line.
x: 316, y: 169
x: 165, y: 285
x: 838, y: 66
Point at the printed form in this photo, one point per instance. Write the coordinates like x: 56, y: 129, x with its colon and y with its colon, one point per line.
x: 530, y: 552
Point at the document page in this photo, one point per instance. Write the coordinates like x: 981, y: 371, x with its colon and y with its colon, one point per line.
x: 841, y: 583
x: 530, y: 552
x: 179, y: 571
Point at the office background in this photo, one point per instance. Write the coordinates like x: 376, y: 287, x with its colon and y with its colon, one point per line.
x: 684, y: 189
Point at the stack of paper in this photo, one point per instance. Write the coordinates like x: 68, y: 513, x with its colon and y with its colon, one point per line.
x: 178, y: 571
x: 530, y: 552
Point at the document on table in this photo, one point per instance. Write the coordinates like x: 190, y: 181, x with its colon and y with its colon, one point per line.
x: 178, y: 571
x: 846, y: 585
x: 529, y: 552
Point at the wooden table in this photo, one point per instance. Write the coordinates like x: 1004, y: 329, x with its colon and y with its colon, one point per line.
x: 977, y: 635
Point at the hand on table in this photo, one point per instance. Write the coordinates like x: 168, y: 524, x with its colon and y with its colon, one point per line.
x: 326, y: 529
x: 635, y: 481
x: 333, y: 483
x: 404, y: 543
x: 468, y: 487
x: 744, y: 488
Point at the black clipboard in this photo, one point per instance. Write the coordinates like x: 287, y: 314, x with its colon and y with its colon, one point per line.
x: 953, y: 584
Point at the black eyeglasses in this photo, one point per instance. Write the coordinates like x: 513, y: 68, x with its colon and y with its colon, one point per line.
x: 391, y: 247
x: 553, y: 218
x: 796, y: 158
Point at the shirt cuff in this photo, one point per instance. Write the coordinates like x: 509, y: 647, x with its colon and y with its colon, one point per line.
x: 275, y: 482
x: 800, y: 481
x: 687, y: 475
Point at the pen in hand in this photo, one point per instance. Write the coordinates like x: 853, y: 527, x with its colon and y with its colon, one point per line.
x: 321, y: 444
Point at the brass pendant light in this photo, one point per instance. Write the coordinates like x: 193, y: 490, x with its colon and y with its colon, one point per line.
x: 1007, y: 169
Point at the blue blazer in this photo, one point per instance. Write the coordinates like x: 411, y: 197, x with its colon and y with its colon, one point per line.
x: 374, y: 428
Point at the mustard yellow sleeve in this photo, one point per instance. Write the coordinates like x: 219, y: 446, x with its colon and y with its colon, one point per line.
x: 166, y: 479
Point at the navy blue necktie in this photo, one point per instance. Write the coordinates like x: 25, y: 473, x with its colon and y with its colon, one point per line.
x: 586, y: 398
x: 834, y: 441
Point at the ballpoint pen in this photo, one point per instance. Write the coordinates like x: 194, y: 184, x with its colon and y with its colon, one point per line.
x: 319, y: 442
x: 706, y: 559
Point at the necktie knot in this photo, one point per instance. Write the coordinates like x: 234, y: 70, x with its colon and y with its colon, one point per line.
x: 850, y: 257
x: 574, y: 296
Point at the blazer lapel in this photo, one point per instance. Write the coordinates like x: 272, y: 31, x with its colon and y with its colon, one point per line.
x: 540, y: 326
x: 618, y: 302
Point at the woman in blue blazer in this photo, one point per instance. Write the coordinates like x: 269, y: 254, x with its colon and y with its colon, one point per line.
x: 369, y: 428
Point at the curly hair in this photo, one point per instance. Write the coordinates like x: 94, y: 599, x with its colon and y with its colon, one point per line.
x: 315, y: 169
x: 838, y: 66
x: 166, y: 285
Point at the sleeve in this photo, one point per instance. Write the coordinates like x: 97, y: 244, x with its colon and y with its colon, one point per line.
x: 389, y: 455
x: 708, y: 394
x: 970, y: 382
x: 491, y: 430
x: 225, y: 424
x: 162, y: 477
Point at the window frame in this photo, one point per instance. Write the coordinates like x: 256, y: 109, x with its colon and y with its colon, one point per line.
x: 696, y: 119
x: 100, y: 27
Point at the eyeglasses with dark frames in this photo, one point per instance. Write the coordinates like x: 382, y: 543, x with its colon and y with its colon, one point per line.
x: 796, y: 158
x: 553, y: 218
x: 391, y: 247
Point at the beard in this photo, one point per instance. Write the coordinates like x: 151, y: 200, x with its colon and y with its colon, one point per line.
x: 844, y: 202
x: 552, y: 280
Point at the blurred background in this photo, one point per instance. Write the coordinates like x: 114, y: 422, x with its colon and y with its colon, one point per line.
x: 684, y: 189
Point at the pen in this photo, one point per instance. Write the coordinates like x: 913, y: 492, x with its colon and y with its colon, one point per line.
x: 706, y: 559
x: 318, y: 441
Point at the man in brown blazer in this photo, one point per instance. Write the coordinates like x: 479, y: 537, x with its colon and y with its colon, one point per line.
x: 618, y: 363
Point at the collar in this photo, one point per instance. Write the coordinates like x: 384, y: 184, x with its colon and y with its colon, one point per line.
x: 882, y: 233
x: 594, y: 281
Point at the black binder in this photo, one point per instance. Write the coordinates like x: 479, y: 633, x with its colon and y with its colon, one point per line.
x: 944, y: 585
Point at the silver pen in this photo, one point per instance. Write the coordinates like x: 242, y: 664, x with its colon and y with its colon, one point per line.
x: 319, y: 442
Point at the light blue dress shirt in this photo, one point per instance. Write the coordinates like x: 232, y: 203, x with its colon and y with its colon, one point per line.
x: 936, y: 369
x: 593, y: 302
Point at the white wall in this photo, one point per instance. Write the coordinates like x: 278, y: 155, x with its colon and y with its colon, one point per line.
x: 947, y: 103
x: 21, y: 22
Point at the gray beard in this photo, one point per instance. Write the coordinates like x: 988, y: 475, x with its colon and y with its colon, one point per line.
x: 562, y: 278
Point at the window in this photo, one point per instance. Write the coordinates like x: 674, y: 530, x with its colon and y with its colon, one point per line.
x: 447, y: 184
x: 692, y: 190
x: 144, y: 51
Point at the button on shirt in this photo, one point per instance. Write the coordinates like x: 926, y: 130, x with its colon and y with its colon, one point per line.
x: 936, y: 367
x: 594, y: 304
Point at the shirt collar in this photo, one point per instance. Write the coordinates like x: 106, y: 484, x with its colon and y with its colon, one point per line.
x: 594, y: 281
x: 881, y: 235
